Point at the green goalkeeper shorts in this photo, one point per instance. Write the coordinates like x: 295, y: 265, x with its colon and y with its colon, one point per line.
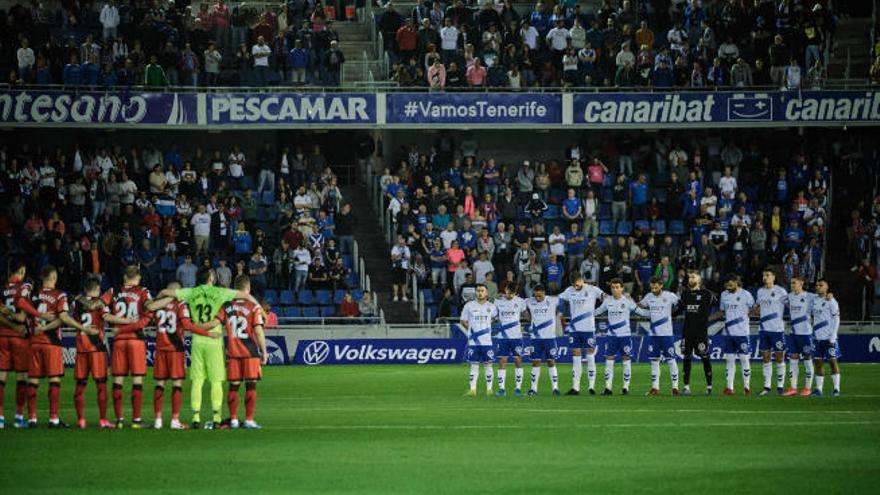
x: 208, y: 360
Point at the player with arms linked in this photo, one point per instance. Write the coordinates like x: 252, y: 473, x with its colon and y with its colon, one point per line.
x: 476, y: 320
x: 579, y: 303
x: 800, y: 308
x: 619, y: 339
x: 771, y: 300
x: 508, y: 338
x: 736, y: 304
x: 658, y: 306
x: 543, y: 311
x: 698, y: 303
x: 826, y: 322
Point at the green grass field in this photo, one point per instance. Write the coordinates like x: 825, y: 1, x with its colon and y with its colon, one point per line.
x: 406, y: 429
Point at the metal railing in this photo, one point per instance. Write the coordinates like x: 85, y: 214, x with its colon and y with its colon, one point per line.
x: 323, y: 321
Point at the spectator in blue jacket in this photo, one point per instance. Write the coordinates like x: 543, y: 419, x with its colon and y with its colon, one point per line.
x: 243, y: 242
x: 639, y: 191
x: 298, y: 61
x: 72, y: 75
x: 108, y: 77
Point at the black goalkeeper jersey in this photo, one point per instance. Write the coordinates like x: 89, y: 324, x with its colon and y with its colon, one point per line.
x: 697, y: 306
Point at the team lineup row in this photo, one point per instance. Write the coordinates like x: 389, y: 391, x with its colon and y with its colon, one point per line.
x: 31, y: 322
x: 814, y: 319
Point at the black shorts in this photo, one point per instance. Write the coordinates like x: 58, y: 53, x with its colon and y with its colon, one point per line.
x: 695, y: 344
x: 399, y: 275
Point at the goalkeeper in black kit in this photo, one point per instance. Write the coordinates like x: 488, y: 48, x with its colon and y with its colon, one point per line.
x: 697, y: 303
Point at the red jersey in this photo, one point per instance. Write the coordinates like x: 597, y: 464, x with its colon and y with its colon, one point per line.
x: 171, y: 321
x: 95, y: 318
x: 12, y: 292
x: 240, y: 317
x: 48, y: 301
x: 130, y: 303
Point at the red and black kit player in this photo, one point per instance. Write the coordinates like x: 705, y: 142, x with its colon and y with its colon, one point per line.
x: 129, y: 353
x: 172, y: 319
x: 91, y: 349
x: 245, y: 351
x: 47, y: 360
x: 15, y: 350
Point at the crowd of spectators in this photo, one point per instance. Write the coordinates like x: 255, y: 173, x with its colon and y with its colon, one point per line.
x: 158, y: 43
x: 623, y: 205
x: 277, y: 215
x: 661, y: 43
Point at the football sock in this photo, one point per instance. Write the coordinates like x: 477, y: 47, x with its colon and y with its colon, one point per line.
x: 502, y: 378
x: 232, y: 400
x: 176, y: 400
x: 820, y: 382
x: 746, y: 370
x: 79, y: 398
x: 536, y: 375
x: 218, y: 394
x: 518, y: 376
x: 673, y: 371
x: 472, y: 378
x: 627, y: 373
x: 117, y: 400
x: 32, y: 401
x: 490, y: 375
x: 576, y: 372
x: 780, y: 374
x: 591, y: 370
x: 793, y: 372
x: 137, y: 400
x: 707, y: 371
x: 21, y: 396
x: 54, y: 399
x: 102, y: 398
x: 554, y: 377
x: 655, y: 374
x: 609, y: 373
x: 686, y: 376
x: 767, y: 369
x: 250, y: 400
x: 809, y: 373
x: 158, y: 395
x: 195, y: 398
x: 835, y: 381
x: 730, y: 360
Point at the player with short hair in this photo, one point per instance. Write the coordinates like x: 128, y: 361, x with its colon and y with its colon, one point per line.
x: 771, y: 300
x: 579, y: 302
x: 91, y: 349
x: 658, y: 305
x: 619, y: 339
x: 826, y: 322
x: 735, y: 306
x: 508, y: 339
x: 543, y: 311
x: 246, y: 350
x: 47, y: 356
x: 172, y: 320
x: 698, y: 303
x: 207, y: 360
x: 132, y: 302
x: 800, y: 308
x: 476, y: 319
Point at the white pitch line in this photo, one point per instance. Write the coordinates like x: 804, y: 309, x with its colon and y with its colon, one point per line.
x: 566, y: 426
x: 575, y: 411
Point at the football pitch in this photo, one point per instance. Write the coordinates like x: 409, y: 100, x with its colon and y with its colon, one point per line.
x: 407, y: 429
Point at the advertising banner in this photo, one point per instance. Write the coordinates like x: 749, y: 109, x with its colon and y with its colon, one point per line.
x: 473, y: 108
x: 379, y: 351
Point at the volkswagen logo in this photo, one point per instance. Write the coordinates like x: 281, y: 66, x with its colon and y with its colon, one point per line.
x: 316, y: 352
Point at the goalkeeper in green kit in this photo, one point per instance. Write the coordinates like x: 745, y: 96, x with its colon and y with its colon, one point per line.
x: 207, y: 357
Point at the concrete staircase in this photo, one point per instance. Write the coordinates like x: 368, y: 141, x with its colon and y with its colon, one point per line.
x: 362, y: 63
x: 851, y: 50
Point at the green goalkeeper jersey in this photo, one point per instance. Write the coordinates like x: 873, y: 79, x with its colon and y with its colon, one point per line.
x: 204, y: 302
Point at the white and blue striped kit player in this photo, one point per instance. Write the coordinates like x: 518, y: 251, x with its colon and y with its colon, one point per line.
x: 800, y: 308
x: 543, y: 327
x: 826, y: 320
x: 659, y: 310
x: 580, y: 307
x: 508, y: 335
x: 479, y: 321
x: 619, y: 339
x: 736, y: 306
x: 772, y: 328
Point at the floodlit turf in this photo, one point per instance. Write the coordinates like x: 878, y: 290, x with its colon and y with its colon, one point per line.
x: 406, y: 429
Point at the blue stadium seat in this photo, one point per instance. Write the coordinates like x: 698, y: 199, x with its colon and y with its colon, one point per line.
x: 606, y: 227
x: 676, y: 227
x: 352, y: 279
x: 624, y: 228
x: 357, y: 294
x: 291, y: 312
x: 270, y: 296
x: 323, y: 297
x: 642, y: 225
x: 304, y: 297
x: 606, y: 195
x: 310, y: 312
x: 247, y: 182
x: 659, y: 226
x: 604, y: 211
x: 338, y: 296
x: 167, y: 264
x: 267, y: 198
x: 428, y: 295
x: 552, y: 212
x: 328, y: 311
x: 346, y: 261
x: 432, y: 313
x: 287, y: 298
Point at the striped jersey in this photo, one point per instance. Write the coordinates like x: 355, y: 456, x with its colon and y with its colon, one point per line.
x: 618, y: 315
x: 581, y: 305
x: 826, y: 318
x: 479, y: 322
x: 659, y: 309
x: 800, y: 308
x: 543, y: 315
x: 772, y: 304
x: 509, y: 312
x: 736, y: 306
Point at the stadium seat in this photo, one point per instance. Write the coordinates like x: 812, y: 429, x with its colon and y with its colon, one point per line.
x: 168, y: 264
x: 338, y: 296
x: 267, y: 198
x: 287, y: 298
x: 247, y: 182
x: 432, y: 313
x: 270, y: 296
x: 606, y: 227
x: 606, y: 196
x: 304, y: 297
x: 328, y: 311
x: 659, y: 226
x: 310, y: 312
x: 323, y: 297
x: 676, y: 227
x: 346, y: 261
x: 624, y: 228
x: 428, y: 295
x: 357, y: 294
x: 291, y: 312
x: 604, y: 211
x: 552, y: 212
x: 642, y: 225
